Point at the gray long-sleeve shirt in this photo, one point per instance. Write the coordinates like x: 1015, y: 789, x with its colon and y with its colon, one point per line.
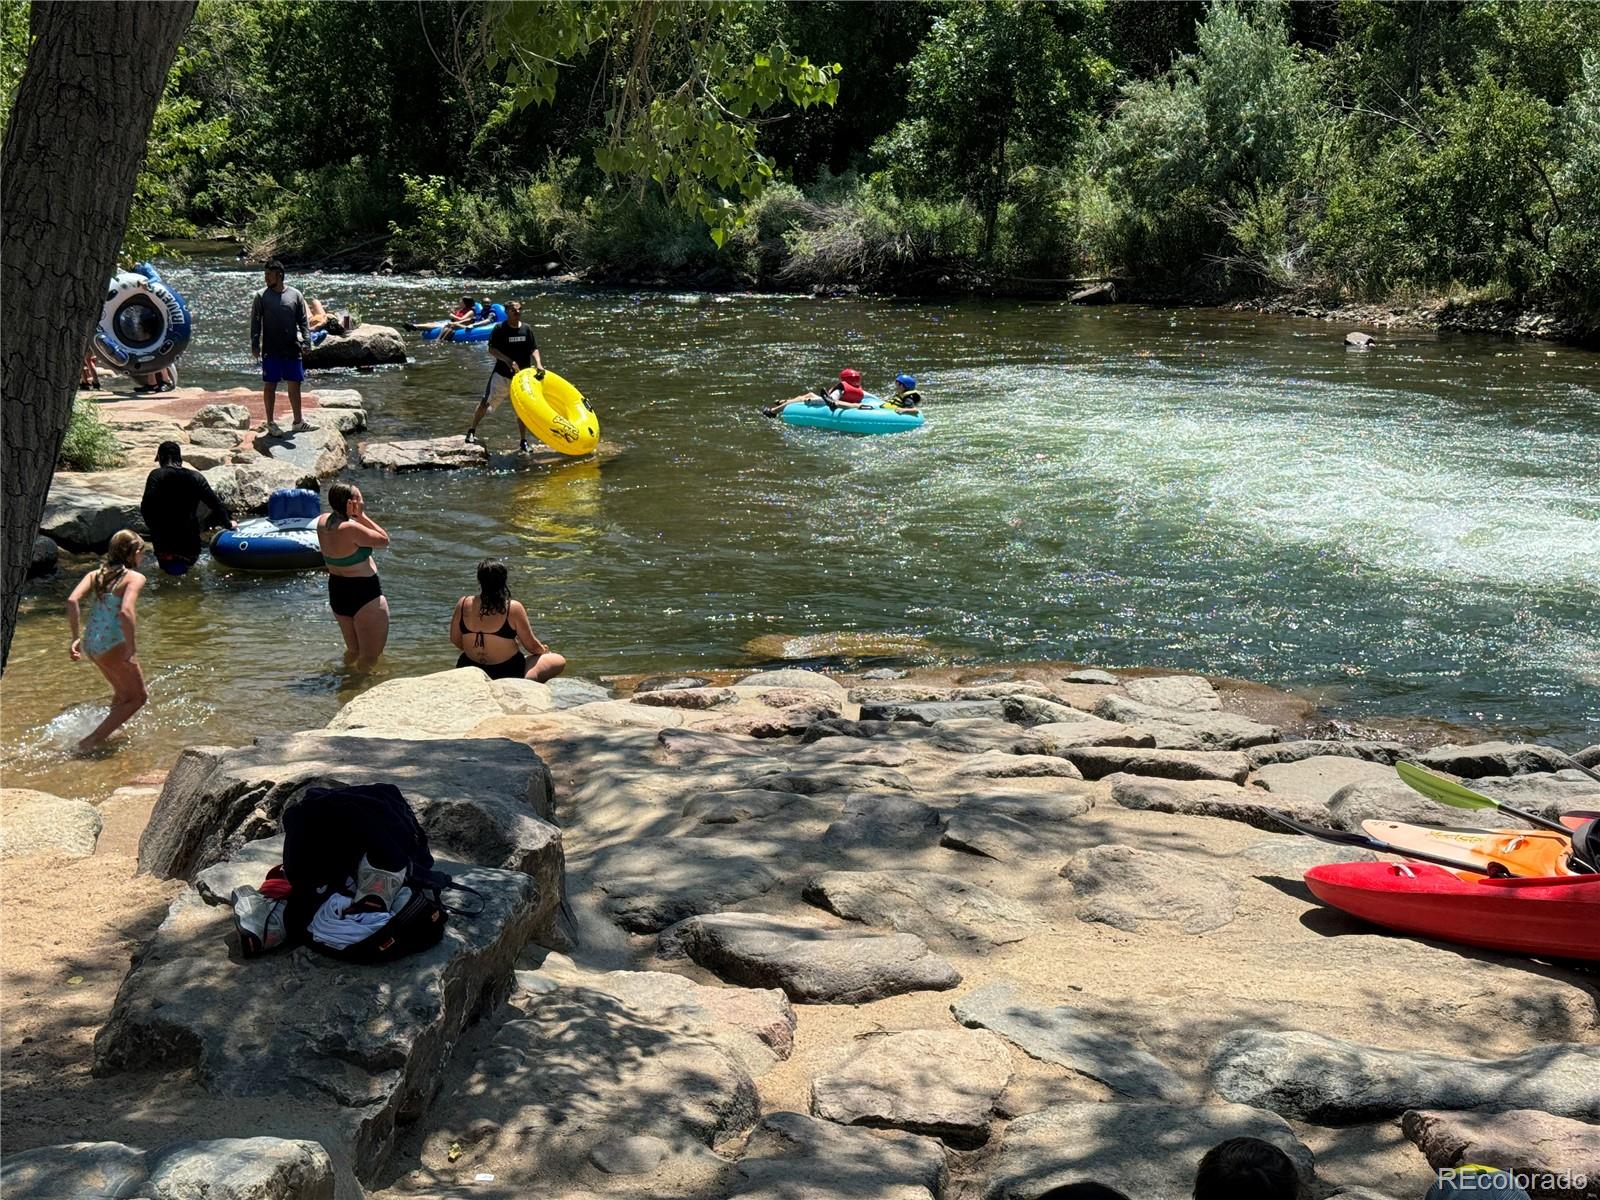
x: 278, y: 323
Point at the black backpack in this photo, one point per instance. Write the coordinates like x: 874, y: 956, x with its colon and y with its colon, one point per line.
x: 326, y: 833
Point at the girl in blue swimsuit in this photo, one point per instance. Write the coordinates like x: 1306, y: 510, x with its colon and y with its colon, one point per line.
x: 109, y: 632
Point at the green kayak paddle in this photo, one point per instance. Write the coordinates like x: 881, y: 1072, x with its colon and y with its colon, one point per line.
x: 1340, y: 837
x: 1458, y: 795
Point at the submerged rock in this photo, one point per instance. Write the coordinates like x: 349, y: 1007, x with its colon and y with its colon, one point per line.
x: 425, y: 454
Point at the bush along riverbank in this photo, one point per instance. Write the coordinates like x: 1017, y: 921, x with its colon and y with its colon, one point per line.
x: 793, y: 931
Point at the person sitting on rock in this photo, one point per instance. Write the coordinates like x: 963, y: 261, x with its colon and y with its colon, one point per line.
x: 846, y: 393
x: 906, y: 398
x: 491, y: 630
x: 1246, y: 1168
x: 174, y: 495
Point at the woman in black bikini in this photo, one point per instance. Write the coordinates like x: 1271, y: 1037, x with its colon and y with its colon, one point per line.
x: 491, y: 630
x: 348, y: 536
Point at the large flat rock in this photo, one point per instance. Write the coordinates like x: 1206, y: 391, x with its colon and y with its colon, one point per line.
x: 1318, y: 779
x: 38, y: 823
x: 587, y: 1077
x: 813, y: 963
x: 1288, y: 752
x: 368, y: 1043
x: 651, y: 883
x: 480, y: 800
x: 942, y: 1082
x: 1188, y: 693
x: 1524, y: 1141
x: 794, y: 1157
x: 424, y: 454
x: 1180, y: 729
x: 1022, y: 818
x: 257, y: 1168
x: 1144, y: 1150
x: 318, y: 451
x: 84, y: 508
x: 1065, y: 1036
x: 925, y: 903
x: 443, y: 704
x: 1483, y: 759
x: 1096, y: 762
x: 1314, y: 1078
x: 1391, y: 800
x: 927, y: 712
x: 1066, y: 738
x: 1129, y: 888
x: 1211, y: 798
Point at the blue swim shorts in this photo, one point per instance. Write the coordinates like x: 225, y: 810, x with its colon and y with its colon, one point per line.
x: 276, y: 368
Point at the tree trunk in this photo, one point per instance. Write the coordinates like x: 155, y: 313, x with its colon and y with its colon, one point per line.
x: 72, y: 153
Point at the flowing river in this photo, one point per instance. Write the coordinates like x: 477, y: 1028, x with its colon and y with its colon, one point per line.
x: 1413, y: 530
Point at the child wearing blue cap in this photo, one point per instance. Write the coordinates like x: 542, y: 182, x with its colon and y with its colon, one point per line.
x: 906, y: 398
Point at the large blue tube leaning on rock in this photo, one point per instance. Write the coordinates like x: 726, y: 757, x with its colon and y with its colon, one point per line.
x: 144, y: 324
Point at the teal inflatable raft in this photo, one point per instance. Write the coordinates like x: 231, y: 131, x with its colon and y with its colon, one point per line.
x: 872, y: 417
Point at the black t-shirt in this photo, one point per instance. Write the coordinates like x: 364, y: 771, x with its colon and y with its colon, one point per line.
x: 516, y: 344
x: 173, y: 497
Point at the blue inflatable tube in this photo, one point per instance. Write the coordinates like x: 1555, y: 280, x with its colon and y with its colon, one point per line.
x: 478, y: 333
x: 872, y: 417
x: 283, y: 540
x: 144, y: 325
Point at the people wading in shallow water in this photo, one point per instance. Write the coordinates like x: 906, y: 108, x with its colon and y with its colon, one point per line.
x: 109, y: 634
x: 491, y: 630
x: 348, y: 536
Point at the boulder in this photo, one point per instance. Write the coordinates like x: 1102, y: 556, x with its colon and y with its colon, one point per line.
x: 423, y: 454
x: 1491, y: 758
x: 483, y: 800
x: 762, y: 1014
x: 79, y: 1170
x: 1000, y: 689
x: 882, y: 821
x: 364, y: 346
x: 1289, y: 752
x: 1211, y: 798
x: 220, y: 416
x: 942, y: 1082
x: 568, y: 1084
x: 1359, y: 341
x: 1092, y: 675
x: 1096, y: 762
x: 740, y: 804
x: 39, y: 823
x: 1318, y: 779
x: 1015, y: 821
x: 813, y: 963
x: 366, y: 1044
x: 926, y: 712
x: 821, y: 780
x: 837, y: 752
x: 316, y: 451
x: 688, y: 746
x: 256, y: 1168
x: 444, y: 704
x: 1063, y: 738
x: 1589, y: 757
x: 1036, y: 710
x: 694, y: 698
x: 965, y: 735
x: 925, y: 903
x: 85, y: 508
x: 1522, y: 1141
x: 1550, y: 795
x: 899, y: 693
x: 649, y: 883
x: 669, y: 683
x: 998, y: 764
x: 1177, y: 729
x: 246, y: 487
x: 1310, y: 1077
x: 44, y: 556
x: 1391, y: 800
x: 338, y: 398
x: 345, y: 420
x: 569, y: 692
x: 1069, y: 1038
x: 794, y: 677
x: 1128, y: 888
x: 1144, y: 1150
x: 1191, y: 693
x: 794, y: 1157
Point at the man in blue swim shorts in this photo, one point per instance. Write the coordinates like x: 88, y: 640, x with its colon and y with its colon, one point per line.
x: 278, y: 336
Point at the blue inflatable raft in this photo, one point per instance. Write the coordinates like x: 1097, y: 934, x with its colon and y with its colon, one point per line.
x: 478, y: 333
x: 283, y: 540
x: 872, y: 417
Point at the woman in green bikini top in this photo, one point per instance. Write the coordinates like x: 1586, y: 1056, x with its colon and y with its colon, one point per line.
x: 348, y: 536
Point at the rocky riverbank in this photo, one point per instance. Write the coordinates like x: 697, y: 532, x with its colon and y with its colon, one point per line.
x: 954, y: 934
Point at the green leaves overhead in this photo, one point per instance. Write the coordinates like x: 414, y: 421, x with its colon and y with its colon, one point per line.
x: 685, y: 96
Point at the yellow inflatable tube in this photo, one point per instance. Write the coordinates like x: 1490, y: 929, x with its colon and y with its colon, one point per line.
x: 556, y: 412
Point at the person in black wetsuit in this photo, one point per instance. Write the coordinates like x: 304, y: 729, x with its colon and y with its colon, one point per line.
x: 173, y: 497
x: 513, y: 349
x: 491, y: 630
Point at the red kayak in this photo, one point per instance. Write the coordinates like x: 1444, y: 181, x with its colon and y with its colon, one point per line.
x: 1552, y: 917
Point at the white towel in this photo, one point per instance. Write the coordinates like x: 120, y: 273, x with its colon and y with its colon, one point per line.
x: 333, y: 926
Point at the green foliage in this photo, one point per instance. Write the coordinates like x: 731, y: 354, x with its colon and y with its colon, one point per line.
x: 180, y: 139
x: 90, y: 444
x: 14, y: 41
x: 425, y: 237
x: 1575, y: 241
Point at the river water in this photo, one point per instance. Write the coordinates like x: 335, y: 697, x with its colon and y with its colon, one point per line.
x: 1413, y: 530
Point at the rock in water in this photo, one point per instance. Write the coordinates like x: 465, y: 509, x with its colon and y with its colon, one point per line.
x: 812, y: 963
x: 44, y: 556
x: 85, y: 508
x: 426, y: 454
x: 937, y: 1081
x: 364, y: 346
x: 1333, y: 1082
x: 1068, y: 1038
x: 1145, y: 1150
x: 1359, y: 341
x: 794, y: 677
x: 793, y: 1157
